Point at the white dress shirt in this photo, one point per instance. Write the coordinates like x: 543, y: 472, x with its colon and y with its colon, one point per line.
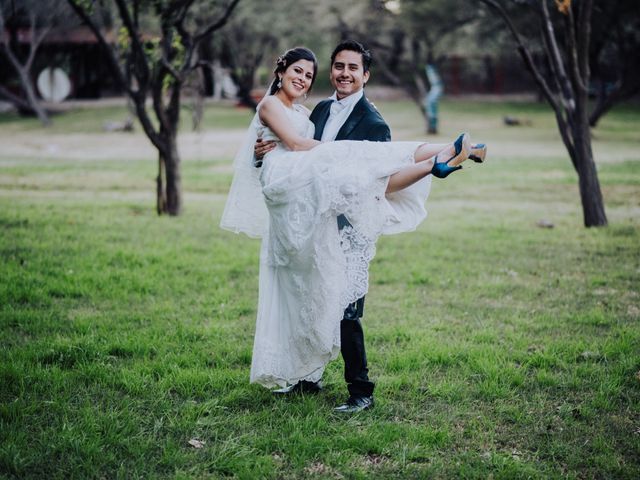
x: 340, y: 111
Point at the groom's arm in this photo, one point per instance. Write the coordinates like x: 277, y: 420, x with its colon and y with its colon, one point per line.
x: 377, y: 129
x: 260, y: 149
x: 379, y: 132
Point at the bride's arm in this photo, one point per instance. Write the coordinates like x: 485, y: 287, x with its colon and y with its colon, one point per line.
x: 273, y: 116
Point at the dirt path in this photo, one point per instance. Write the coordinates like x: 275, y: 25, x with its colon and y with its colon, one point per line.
x: 88, y: 147
x: 217, y: 144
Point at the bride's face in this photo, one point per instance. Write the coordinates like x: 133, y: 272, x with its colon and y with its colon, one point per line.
x: 297, y: 78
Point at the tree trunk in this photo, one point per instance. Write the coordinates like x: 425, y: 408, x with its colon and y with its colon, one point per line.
x: 168, y: 181
x: 24, y: 70
x: 161, y: 198
x: 19, y: 103
x: 29, y: 105
x: 33, y: 99
x: 568, y: 92
x: 590, y: 193
x: 244, y: 93
x: 173, y: 179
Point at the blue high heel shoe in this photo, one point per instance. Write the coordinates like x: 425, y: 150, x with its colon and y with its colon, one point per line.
x: 442, y: 169
x: 462, y: 147
x: 478, y: 152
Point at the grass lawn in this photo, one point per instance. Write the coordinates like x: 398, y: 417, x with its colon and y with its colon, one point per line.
x: 500, y: 349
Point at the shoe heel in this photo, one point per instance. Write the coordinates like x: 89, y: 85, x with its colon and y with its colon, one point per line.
x: 462, y: 147
x: 478, y: 152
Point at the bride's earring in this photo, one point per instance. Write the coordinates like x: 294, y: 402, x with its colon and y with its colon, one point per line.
x: 279, y: 83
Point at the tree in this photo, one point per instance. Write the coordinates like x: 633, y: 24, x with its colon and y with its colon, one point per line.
x: 615, y: 54
x: 157, y: 66
x: 409, y: 35
x: 250, y: 38
x: 39, y: 17
x: 566, y: 88
x: 245, y: 43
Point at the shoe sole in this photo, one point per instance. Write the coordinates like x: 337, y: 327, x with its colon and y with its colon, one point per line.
x: 481, y: 156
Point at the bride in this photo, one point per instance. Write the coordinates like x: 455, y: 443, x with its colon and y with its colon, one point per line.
x: 309, y: 270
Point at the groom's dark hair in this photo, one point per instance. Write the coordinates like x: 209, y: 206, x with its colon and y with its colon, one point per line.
x: 353, y: 46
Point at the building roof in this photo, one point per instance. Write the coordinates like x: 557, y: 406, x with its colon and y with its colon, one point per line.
x: 77, y: 35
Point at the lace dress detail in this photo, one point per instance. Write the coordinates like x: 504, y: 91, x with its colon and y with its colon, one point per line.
x: 309, y: 270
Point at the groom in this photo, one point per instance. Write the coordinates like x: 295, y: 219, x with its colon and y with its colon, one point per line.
x: 346, y: 115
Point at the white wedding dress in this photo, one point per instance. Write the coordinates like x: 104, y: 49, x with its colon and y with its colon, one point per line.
x: 309, y: 270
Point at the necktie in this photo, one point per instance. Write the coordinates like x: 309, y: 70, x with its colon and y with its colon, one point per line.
x: 336, y: 107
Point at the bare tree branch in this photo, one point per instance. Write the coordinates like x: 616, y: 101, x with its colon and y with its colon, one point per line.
x: 172, y: 71
x: 572, y: 52
x: 157, y: 102
x: 452, y: 27
x: 36, y: 39
x: 136, y: 45
x: 185, y: 35
x: 13, y: 98
x: 6, y: 47
x: 542, y: 83
x: 525, y: 54
x: 584, y: 35
x: 181, y: 18
x: 24, y: 71
x: 555, y: 58
x: 138, y: 96
x: 606, y: 102
x: 215, y: 25
x: 555, y: 74
x: 113, y: 61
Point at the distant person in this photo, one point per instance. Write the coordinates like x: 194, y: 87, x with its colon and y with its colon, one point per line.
x: 313, y: 275
x: 433, y: 97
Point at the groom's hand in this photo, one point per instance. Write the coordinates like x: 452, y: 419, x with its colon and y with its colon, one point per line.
x: 260, y: 149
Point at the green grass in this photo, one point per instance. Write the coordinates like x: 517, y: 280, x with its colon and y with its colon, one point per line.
x: 499, y: 349
x: 92, y: 119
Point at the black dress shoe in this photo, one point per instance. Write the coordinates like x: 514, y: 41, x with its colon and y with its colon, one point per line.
x: 301, y: 387
x: 355, y: 404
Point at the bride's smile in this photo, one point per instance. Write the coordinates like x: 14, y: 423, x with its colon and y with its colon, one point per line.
x: 296, y: 80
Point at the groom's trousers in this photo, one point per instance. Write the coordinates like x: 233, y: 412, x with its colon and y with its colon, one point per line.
x: 356, y: 373
x: 353, y: 352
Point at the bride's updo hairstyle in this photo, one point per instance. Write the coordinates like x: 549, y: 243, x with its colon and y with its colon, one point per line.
x: 289, y: 57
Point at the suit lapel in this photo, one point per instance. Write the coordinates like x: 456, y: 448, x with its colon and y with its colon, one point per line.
x: 319, y: 117
x: 358, y: 112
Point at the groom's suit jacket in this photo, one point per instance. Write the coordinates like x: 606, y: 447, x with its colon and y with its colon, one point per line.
x: 364, y: 123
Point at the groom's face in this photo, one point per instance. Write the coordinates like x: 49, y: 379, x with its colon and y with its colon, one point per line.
x: 347, y: 73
